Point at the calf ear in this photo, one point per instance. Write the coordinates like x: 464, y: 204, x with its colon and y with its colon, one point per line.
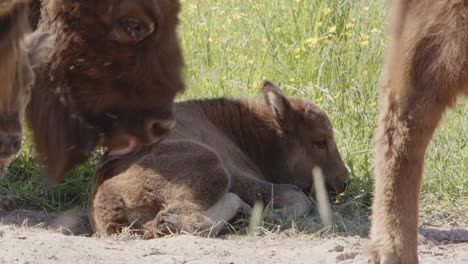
x: 277, y: 101
x: 36, y: 44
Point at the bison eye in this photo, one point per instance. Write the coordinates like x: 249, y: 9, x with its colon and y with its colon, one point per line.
x: 133, y: 27
x: 321, y: 144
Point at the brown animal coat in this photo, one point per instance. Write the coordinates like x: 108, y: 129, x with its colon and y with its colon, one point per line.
x: 16, y: 75
x: 427, y: 69
x: 111, y: 79
x: 222, y: 157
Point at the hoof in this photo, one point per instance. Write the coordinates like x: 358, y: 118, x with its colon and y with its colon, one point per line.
x: 384, y: 260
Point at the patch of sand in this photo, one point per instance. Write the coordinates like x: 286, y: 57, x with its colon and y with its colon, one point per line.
x: 49, y: 243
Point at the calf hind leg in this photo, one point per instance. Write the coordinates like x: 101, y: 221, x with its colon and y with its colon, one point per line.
x: 107, y: 212
x: 178, y: 217
x: 188, y: 217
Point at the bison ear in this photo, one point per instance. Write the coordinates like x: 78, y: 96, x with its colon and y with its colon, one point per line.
x: 59, y: 165
x: 62, y: 139
x: 277, y: 101
x: 36, y: 44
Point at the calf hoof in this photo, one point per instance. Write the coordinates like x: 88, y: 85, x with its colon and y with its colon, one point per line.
x: 169, y: 223
x: 385, y: 260
x: 389, y: 260
x: 379, y: 255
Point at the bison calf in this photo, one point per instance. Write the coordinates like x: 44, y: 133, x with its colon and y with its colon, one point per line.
x: 222, y: 157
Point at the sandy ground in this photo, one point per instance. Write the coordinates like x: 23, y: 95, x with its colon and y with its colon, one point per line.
x: 31, y: 237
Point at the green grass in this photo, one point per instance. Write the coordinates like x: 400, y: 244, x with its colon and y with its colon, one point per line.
x: 327, y: 51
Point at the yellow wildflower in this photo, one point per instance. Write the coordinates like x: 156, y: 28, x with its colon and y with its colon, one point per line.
x: 327, y: 11
x: 312, y: 41
x: 332, y: 29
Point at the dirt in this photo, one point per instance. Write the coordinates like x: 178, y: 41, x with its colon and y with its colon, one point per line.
x: 36, y: 237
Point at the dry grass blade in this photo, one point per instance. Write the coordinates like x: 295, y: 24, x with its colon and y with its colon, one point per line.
x: 255, y: 219
x: 321, y: 196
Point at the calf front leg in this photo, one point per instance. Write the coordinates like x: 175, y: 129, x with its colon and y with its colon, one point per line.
x: 290, y: 200
x: 225, y: 210
x: 423, y: 77
x: 401, y: 143
x: 287, y: 199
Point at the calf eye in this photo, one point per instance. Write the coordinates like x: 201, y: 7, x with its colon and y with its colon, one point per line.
x: 321, y: 144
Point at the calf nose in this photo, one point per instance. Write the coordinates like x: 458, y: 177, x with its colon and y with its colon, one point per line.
x: 159, y: 129
x: 9, y: 145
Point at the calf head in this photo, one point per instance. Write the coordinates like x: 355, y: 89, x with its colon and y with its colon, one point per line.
x: 117, y: 68
x: 307, y: 138
x: 19, y: 63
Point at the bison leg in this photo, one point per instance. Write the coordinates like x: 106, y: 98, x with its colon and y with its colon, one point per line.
x: 178, y: 217
x: 226, y: 209
x: 401, y: 143
x: 107, y: 212
x: 427, y: 71
x: 185, y: 216
x: 289, y: 200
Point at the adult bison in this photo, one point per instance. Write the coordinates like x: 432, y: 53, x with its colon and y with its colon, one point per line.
x: 18, y: 57
x: 222, y: 157
x: 110, y: 80
x: 426, y: 71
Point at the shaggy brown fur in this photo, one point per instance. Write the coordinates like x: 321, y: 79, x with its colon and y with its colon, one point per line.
x: 111, y: 80
x: 426, y: 71
x: 222, y: 157
x: 16, y: 75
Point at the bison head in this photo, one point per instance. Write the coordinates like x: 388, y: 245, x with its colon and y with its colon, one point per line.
x: 111, y: 80
x: 308, y: 139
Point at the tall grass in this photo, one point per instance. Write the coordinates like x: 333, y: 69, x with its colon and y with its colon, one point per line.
x: 327, y: 51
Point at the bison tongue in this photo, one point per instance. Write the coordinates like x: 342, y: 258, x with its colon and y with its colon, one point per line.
x: 132, y: 147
